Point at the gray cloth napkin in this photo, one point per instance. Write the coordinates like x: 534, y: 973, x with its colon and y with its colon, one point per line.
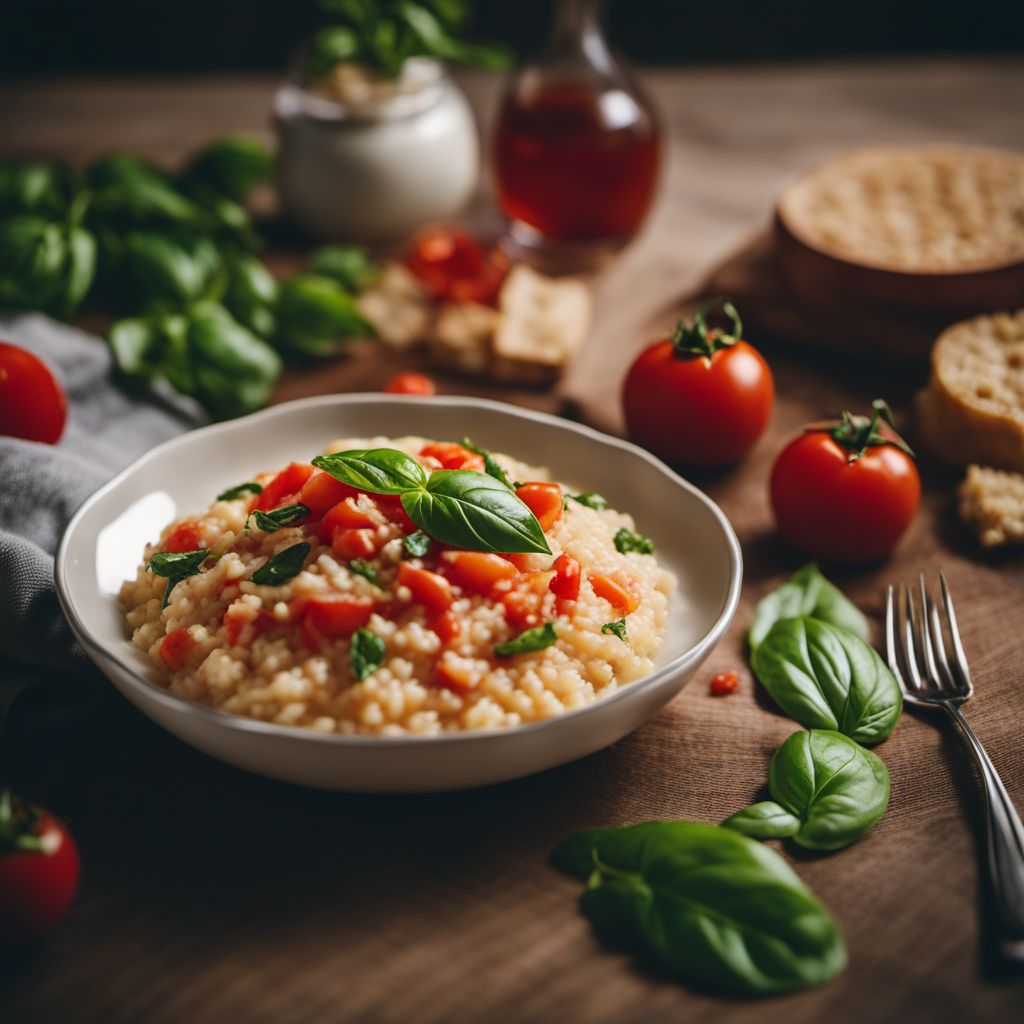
x: 42, y: 485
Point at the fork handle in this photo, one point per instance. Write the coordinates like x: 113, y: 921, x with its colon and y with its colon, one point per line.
x: 1005, y: 844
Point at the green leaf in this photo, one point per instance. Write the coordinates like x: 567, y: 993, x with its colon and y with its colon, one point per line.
x: 332, y: 45
x: 491, y: 465
x: 366, y: 653
x: 416, y: 544
x: 379, y: 470
x: 363, y: 568
x: 833, y: 787
x: 473, y: 511
x: 137, y: 346
x: 284, y: 566
x: 251, y: 294
x: 35, y: 187
x: 285, y: 515
x: 826, y: 677
x: 239, y: 490
x: 128, y: 193
x: 627, y: 541
x: 317, y: 317
x: 176, y: 566
x: 764, y: 820
x: 348, y: 265
x: 591, y: 499
x: 712, y: 907
x: 436, y: 41
x: 529, y: 641
x: 233, y: 165
x: 618, y: 628
x: 80, y: 269
x: 806, y: 592
x: 168, y: 270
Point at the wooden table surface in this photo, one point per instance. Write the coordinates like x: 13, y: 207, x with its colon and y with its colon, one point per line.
x: 209, y: 894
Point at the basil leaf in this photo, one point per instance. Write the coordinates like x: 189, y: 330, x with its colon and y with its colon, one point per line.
x: 491, y: 465
x: 618, y: 628
x: 416, y: 544
x: 473, y: 511
x: 834, y: 788
x: 40, y: 188
x: 232, y: 493
x: 172, y: 269
x: 711, y: 906
x: 137, y: 347
x: 317, y: 317
x: 806, y: 592
x: 627, y: 541
x: 536, y: 639
x: 764, y: 820
x: 827, y: 677
x: 285, y: 515
x: 363, y: 568
x: 348, y: 265
x: 366, y: 653
x: 591, y: 499
x: 285, y: 565
x: 379, y: 471
x: 176, y: 566
x: 251, y: 295
x: 233, y: 166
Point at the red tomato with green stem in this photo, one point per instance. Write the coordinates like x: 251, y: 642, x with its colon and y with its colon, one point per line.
x: 700, y: 398
x: 38, y: 871
x: 846, y: 492
x: 32, y: 403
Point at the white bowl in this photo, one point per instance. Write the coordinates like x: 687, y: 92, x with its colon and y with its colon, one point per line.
x: 103, y: 545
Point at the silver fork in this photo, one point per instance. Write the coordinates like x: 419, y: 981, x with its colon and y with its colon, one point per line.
x: 927, y: 657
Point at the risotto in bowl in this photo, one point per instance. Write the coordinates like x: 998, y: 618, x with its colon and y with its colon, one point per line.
x: 380, y: 593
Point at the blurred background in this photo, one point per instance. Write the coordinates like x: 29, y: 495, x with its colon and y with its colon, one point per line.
x: 231, y: 35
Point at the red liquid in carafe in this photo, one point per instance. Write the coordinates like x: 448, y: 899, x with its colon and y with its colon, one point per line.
x: 574, y: 164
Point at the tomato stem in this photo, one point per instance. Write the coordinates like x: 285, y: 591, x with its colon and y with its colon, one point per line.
x: 859, y: 433
x: 696, y: 339
x: 19, y: 823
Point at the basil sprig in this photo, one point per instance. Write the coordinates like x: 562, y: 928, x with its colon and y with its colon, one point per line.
x: 627, y: 541
x: 176, y: 566
x: 366, y: 653
x: 233, y: 493
x: 530, y: 640
x: 277, y: 518
x: 285, y: 565
x: 591, y: 499
x: 459, y: 507
x: 709, y: 905
x: 492, y: 467
x: 616, y: 628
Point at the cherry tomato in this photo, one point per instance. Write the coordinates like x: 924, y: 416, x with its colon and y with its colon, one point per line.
x: 544, y: 500
x: 847, y: 492
x: 32, y: 403
x: 700, y: 398
x: 337, y: 615
x: 456, y: 268
x: 723, y: 684
x: 410, y: 384
x: 38, y: 871
x: 185, y: 536
x: 566, y: 581
x: 287, y: 483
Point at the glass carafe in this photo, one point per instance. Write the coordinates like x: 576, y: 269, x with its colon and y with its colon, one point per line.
x: 578, y: 147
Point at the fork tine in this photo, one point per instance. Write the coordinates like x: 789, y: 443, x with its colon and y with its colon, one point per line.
x: 925, y: 635
x: 891, y: 653
x: 939, y: 644
x: 909, y: 627
x: 960, y: 658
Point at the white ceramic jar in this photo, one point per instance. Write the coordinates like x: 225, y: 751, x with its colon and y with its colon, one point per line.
x: 379, y: 168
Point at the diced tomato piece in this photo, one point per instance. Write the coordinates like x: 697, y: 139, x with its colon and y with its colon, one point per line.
x: 529, y: 602
x: 724, y: 683
x: 566, y: 581
x: 429, y: 589
x: 456, y: 676
x: 391, y: 506
x: 456, y: 267
x: 235, y: 624
x: 348, y: 544
x: 338, y: 615
x: 321, y: 492
x: 619, y: 591
x: 520, y: 561
x: 286, y: 484
x: 453, y: 456
x: 176, y: 647
x: 478, y: 571
x: 544, y: 500
x: 184, y: 537
x: 447, y: 626
x: 343, y: 516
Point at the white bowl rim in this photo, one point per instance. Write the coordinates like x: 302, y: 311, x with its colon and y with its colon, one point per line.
x: 177, y: 703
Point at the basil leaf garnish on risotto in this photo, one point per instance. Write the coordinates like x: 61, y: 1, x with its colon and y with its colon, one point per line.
x: 627, y: 541
x: 176, y: 566
x: 598, y: 502
x: 285, y: 565
x: 536, y: 639
x: 233, y: 493
x: 491, y: 465
x: 286, y: 515
x: 379, y: 470
x: 366, y: 653
x: 363, y: 568
x: 416, y: 544
x: 617, y: 628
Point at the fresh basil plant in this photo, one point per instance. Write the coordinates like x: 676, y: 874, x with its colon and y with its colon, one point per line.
x: 827, y: 677
x: 711, y: 906
x: 806, y: 592
x: 826, y: 790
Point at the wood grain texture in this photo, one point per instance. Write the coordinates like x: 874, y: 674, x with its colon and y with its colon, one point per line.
x: 211, y: 895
